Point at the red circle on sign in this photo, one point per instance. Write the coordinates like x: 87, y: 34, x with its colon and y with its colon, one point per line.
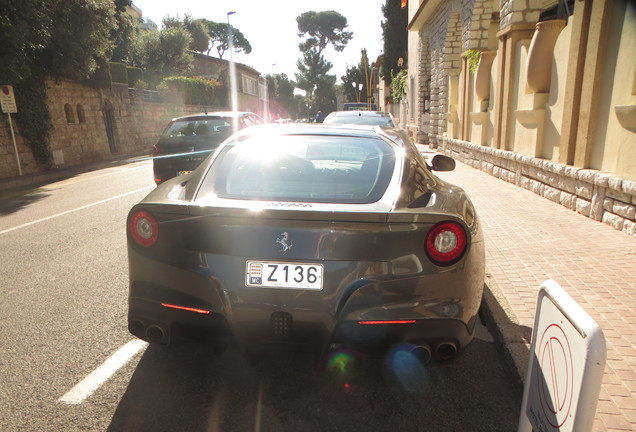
x: 556, y: 387
x: 5, y: 90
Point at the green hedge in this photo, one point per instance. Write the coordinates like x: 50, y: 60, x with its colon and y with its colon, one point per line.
x: 101, y: 76
x: 134, y: 74
x: 118, y: 73
x: 195, y: 91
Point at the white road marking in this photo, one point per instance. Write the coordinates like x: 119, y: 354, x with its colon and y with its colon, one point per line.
x: 259, y: 407
x: 89, y: 176
x: 74, y: 210
x: 88, y: 385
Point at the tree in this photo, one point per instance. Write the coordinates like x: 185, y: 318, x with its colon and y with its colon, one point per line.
x: 218, y: 33
x: 196, y: 27
x: 281, y: 96
x: 322, y: 29
x: 353, y: 77
x: 163, y: 53
x: 58, y: 38
x: 395, y: 38
x: 319, y: 30
x: 79, y: 36
x: 123, y: 34
x: 23, y: 35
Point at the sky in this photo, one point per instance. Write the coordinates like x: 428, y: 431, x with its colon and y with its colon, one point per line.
x: 271, y: 28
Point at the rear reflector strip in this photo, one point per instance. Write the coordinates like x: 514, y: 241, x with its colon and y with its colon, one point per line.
x: 185, y: 308
x: 387, y: 322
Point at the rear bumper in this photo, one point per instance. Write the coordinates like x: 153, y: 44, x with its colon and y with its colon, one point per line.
x: 167, y: 167
x: 437, y: 307
x: 184, y: 317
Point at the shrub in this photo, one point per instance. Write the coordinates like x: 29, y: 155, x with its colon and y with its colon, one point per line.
x: 101, y: 77
x: 135, y: 75
x: 118, y: 73
x: 195, y: 91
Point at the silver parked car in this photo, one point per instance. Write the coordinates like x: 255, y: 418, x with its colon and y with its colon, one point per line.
x: 375, y: 118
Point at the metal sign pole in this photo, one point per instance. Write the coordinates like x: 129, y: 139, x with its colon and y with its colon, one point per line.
x: 15, y: 146
x: 8, y: 105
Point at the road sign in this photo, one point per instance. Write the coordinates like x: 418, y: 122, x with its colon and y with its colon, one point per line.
x: 567, y: 358
x: 7, y: 100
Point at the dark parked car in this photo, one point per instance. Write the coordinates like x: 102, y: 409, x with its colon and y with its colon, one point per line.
x: 375, y: 118
x: 309, y: 235
x: 188, y: 140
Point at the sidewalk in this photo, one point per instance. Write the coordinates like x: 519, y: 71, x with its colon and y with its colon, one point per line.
x: 530, y: 239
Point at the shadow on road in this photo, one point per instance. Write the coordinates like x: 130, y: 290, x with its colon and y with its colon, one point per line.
x: 17, y: 200
x: 192, y: 388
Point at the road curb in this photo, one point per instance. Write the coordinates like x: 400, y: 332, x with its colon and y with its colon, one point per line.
x: 503, y: 323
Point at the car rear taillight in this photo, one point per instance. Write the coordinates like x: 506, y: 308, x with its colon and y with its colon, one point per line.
x: 143, y: 228
x: 446, y: 243
x: 156, y: 151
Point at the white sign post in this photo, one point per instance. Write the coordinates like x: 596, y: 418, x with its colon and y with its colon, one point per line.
x: 567, y: 358
x: 8, y: 105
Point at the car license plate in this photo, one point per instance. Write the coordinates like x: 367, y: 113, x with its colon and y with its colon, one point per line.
x: 283, y: 275
x: 180, y: 173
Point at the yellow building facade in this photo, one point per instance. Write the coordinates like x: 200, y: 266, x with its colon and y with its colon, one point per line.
x: 541, y: 93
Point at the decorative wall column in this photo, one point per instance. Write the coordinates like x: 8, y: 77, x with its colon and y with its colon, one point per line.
x: 539, y: 79
x: 452, y: 115
x: 539, y: 65
x: 506, y: 72
x: 482, y: 90
x: 482, y: 78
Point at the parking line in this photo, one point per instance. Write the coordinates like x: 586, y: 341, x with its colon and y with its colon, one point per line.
x: 88, y: 385
x: 90, y: 176
x: 74, y: 210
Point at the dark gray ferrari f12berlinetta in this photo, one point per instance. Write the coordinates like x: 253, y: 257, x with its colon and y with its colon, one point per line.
x: 309, y: 236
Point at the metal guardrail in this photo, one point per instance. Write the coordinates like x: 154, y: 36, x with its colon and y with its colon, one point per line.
x: 146, y: 95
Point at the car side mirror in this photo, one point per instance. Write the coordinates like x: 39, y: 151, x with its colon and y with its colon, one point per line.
x: 442, y: 163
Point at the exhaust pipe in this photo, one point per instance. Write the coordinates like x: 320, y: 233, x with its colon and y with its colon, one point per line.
x: 155, y: 334
x: 137, y: 328
x: 422, y: 353
x: 446, y: 350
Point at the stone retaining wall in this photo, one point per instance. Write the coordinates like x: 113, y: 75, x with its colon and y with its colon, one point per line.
x: 592, y: 193
x: 80, y: 135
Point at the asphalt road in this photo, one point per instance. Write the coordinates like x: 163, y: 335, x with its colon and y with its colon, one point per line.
x: 68, y: 363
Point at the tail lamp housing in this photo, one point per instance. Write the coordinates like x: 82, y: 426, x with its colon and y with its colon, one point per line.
x: 143, y: 228
x: 446, y: 243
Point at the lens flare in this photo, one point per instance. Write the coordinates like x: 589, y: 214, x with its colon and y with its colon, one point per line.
x: 342, y: 365
x: 406, y: 365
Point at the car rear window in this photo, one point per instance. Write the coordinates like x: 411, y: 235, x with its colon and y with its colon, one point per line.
x: 199, y: 128
x: 377, y: 120
x: 305, y: 168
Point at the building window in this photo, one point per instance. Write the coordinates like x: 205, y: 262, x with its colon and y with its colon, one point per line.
x: 249, y: 85
x: 562, y: 10
x: 70, y: 118
x: 81, y: 118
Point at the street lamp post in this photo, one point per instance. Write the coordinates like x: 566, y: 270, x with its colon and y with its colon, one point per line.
x: 357, y: 87
x: 229, y: 34
x: 367, y: 77
x: 233, y: 91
